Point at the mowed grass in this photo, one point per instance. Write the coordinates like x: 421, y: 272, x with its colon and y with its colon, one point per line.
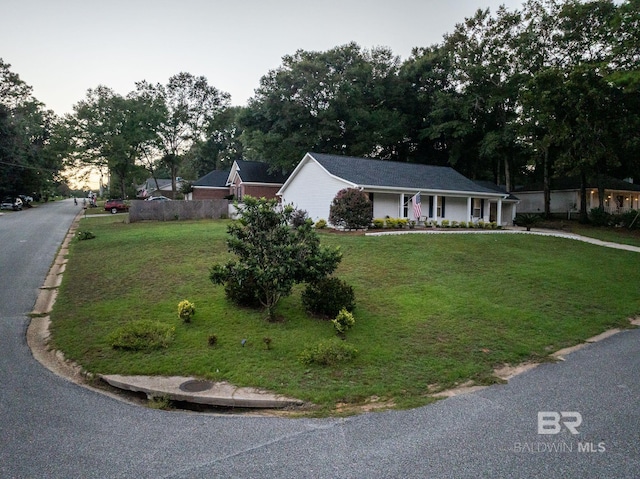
x: 433, y: 311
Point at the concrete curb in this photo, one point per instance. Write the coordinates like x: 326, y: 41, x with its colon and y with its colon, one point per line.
x: 205, y: 392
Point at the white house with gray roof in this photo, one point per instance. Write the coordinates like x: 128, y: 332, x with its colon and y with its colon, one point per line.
x: 444, y: 193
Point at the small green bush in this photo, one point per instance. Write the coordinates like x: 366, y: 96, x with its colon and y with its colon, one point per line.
x: 391, y: 223
x: 343, y: 322
x: 85, y: 235
x: 401, y: 223
x: 462, y: 224
x: 445, y: 223
x: 186, y: 310
x: 321, y: 224
x: 455, y: 224
x: 471, y: 224
x: 327, y: 296
x: 480, y: 224
x: 527, y: 220
x: 328, y: 353
x: 493, y: 225
x: 378, y: 223
x: 142, y: 335
x: 299, y: 218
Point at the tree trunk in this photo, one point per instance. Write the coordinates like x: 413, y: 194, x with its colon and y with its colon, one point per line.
x: 546, y: 183
x: 584, y: 215
x: 507, y: 175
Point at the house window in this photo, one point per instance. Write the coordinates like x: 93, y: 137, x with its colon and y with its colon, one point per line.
x: 476, y: 211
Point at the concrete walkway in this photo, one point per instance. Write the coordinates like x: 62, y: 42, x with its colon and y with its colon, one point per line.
x: 514, y: 230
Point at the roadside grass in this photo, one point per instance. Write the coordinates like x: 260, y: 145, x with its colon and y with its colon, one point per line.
x: 433, y: 311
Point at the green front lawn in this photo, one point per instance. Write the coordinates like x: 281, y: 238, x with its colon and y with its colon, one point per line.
x: 432, y: 311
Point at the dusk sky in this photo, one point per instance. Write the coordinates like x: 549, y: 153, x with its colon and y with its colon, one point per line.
x: 64, y: 47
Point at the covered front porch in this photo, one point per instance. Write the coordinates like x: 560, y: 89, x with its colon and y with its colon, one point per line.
x: 439, y: 206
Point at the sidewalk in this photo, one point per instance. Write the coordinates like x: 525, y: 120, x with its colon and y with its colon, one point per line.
x: 514, y: 230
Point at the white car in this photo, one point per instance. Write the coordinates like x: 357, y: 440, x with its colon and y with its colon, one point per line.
x: 11, y: 203
x: 158, y: 198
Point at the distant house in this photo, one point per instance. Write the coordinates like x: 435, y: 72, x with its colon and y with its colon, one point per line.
x: 391, y: 186
x: 244, y: 178
x: 158, y: 187
x: 211, y: 186
x: 619, y: 196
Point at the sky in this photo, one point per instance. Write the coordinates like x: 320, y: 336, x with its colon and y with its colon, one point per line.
x: 62, y: 48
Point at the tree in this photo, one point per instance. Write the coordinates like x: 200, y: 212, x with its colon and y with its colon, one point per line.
x: 191, y: 106
x: 343, y: 101
x: 271, y: 255
x: 351, y: 209
x: 114, y: 132
x: 29, y: 162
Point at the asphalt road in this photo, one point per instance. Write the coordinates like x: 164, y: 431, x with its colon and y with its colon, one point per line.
x: 52, y: 428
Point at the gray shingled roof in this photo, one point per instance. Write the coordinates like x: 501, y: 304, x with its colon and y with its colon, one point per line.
x: 258, y: 172
x: 215, y: 179
x: 368, y: 172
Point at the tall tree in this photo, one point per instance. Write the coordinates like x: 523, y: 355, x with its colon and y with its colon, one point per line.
x: 345, y: 101
x: 191, y: 105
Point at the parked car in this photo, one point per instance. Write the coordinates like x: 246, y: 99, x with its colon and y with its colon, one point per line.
x: 115, y: 206
x: 158, y: 198
x: 11, y: 203
x: 26, y: 200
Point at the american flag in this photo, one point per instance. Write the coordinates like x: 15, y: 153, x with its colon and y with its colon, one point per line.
x: 417, y: 209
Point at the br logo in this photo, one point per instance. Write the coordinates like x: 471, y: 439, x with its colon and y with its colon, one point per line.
x: 551, y: 422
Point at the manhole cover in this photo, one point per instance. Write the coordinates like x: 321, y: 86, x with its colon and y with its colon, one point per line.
x: 196, y: 386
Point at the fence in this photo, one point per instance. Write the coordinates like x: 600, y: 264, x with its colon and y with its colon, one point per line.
x: 177, y: 210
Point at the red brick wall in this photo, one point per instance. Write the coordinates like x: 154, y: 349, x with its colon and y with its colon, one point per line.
x: 260, y: 191
x: 209, y: 193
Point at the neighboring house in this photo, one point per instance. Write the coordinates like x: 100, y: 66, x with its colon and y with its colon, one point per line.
x: 245, y: 178
x: 159, y: 187
x: 254, y: 179
x: 619, y: 196
x: 444, y: 193
x: 211, y: 186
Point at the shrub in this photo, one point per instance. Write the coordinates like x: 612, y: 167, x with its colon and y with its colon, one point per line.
x: 85, y: 235
x: 240, y: 288
x: 391, y: 223
x: 328, y: 353
x: 480, y: 224
x: 351, y: 209
x: 321, y: 224
x: 378, y: 223
x: 402, y: 222
x: 599, y: 217
x: 462, y: 224
x: 327, y: 296
x: 412, y: 224
x: 455, y: 224
x: 471, y: 225
x: 629, y: 219
x: 445, y: 223
x: 142, y: 335
x: 493, y: 225
x: 343, y: 321
x: 299, y: 218
x: 527, y: 220
x: 186, y: 310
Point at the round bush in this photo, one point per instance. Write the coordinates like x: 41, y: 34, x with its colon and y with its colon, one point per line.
x: 326, y: 297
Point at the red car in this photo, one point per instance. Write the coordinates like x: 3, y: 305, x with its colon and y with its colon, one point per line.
x: 116, y: 206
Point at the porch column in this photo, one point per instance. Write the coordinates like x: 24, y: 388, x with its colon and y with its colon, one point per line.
x: 499, y: 213
x: 401, y: 212
x: 435, y: 208
x: 469, y: 206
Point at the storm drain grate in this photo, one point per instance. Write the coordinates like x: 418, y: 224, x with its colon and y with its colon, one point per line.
x: 196, y: 386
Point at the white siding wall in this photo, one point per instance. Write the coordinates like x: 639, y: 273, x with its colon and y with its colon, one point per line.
x: 455, y: 209
x: 386, y: 204
x: 312, y: 190
x: 561, y: 201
